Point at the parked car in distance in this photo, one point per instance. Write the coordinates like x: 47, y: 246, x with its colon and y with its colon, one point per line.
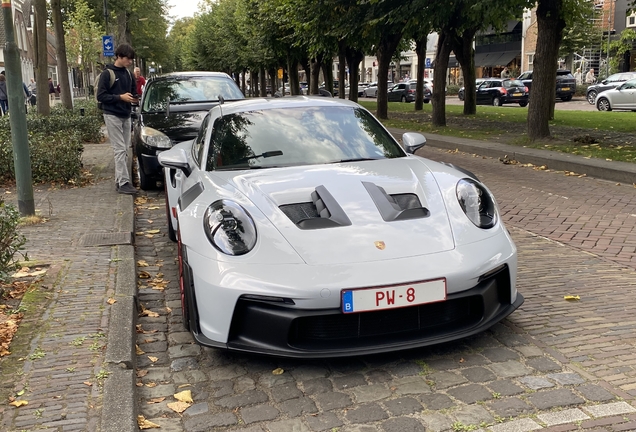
x: 622, y: 97
x: 608, y: 83
x: 460, y: 93
x: 170, y: 111
x: 405, y: 92
x: 269, y: 222
x: 497, y: 91
x: 565, y: 83
x: 372, y: 89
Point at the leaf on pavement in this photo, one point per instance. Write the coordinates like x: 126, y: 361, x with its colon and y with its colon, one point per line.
x: 154, y: 208
x: 153, y: 359
x: 156, y: 400
x: 572, y: 297
x: 144, y: 275
x: 142, y: 263
x: 278, y: 371
x: 142, y: 373
x: 88, y: 383
x: 184, y: 396
x: 178, y: 406
x: 139, y: 351
x: 146, y: 424
x: 154, y: 231
x: 19, y: 403
x: 111, y: 301
x: 151, y: 384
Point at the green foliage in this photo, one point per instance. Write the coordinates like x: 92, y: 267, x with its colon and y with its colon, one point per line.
x: 11, y: 241
x: 452, y: 90
x: 619, y: 47
x: 580, y: 32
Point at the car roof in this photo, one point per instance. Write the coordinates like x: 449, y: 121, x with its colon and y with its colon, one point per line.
x: 256, y: 104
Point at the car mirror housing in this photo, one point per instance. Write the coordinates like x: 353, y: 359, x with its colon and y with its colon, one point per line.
x: 177, y: 159
x: 413, y: 141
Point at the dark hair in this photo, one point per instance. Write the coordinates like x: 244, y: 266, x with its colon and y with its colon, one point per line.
x: 125, y: 50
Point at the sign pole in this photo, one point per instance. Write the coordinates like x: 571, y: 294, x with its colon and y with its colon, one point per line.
x: 17, y: 117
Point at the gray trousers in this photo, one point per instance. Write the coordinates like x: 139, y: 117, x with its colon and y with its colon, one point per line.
x: 119, y: 133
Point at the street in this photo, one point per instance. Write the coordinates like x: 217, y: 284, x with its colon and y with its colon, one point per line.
x: 552, y: 362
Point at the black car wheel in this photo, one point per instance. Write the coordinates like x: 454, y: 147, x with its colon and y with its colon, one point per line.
x: 460, y: 95
x: 496, y: 101
x: 603, y: 105
x: 403, y: 99
x: 567, y: 98
x: 523, y: 104
x: 591, y: 96
x: 145, y: 182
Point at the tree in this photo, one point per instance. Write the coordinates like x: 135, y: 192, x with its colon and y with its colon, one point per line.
x: 550, y: 24
x: 41, y: 61
x: 581, y: 32
x: 83, y: 38
x: 620, y: 49
x: 62, y: 63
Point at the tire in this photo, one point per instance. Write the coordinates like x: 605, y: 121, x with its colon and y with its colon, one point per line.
x: 523, y: 104
x: 567, y: 98
x: 591, y: 97
x: 427, y: 100
x: 403, y: 99
x: 496, y: 101
x: 460, y: 95
x: 145, y: 182
x: 603, y: 105
x: 172, y: 235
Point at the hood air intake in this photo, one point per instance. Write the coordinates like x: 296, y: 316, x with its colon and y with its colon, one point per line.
x: 396, y: 207
x: 323, y: 212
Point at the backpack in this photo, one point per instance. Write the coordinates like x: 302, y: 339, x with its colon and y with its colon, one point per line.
x: 112, y: 83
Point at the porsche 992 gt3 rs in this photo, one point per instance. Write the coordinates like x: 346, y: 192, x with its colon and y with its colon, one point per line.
x: 304, y: 229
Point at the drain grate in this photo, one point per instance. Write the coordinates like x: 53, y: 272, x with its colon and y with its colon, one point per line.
x: 106, y: 239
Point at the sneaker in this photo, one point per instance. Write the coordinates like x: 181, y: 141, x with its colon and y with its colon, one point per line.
x: 127, y: 188
x: 116, y: 187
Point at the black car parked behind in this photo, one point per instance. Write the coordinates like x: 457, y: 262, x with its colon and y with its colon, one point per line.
x: 565, y: 83
x: 171, y: 110
x: 405, y: 92
x: 495, y: 91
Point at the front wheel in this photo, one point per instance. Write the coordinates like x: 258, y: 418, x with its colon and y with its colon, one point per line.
x: 591, y: 97
x: 403, y: 99
x: 496, y: 101
x: 567, y: 98
x: 603, y: 105
x: 460, y: 95
x: 523, y: 104
x: 145, y: 182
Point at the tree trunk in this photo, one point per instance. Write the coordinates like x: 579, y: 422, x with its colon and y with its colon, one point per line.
x: 386, y: 48
x: 550, y: 25
x: 420, y: 50
x: 41, y: 60
x: 263, y: 85
x: 327, y: 71
x: 316, y: 63
x: 123, y: 32
x: 62, y: 77
x: 354, y: 57
x: 465, y: 55
x: 307, y: 68
x: 439, y: 80
x: 243, y: 81
x: 254, y: 79
x: 273, y: 75
x: 342, y: 67
x: 294, y: 82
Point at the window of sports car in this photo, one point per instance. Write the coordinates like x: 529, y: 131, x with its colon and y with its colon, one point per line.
x: 189, y: 89
x: 298, y: 136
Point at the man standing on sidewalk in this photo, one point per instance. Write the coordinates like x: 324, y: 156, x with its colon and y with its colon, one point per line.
x: 116, y: 91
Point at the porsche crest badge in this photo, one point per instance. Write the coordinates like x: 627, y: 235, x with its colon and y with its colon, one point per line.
x: 380, y: 245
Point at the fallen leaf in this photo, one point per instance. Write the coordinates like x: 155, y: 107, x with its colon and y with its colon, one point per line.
x: 153, y: 359
x: 139, y: 233
x: 154, y: 208
x: 19, y: 403
x: 156, y: 400
x: 149, y: 235
x: 142, y: 373
x: 139, y: 351
x: 88, y: 383
x: 184, y: 396
x: 139, y: 384
x: 572, y: 297
x: 144, y: 275
x: 111, y: 301
x: 278, y: 371
x: 151, y: 384
x: 184, y: 385
x: 142, y: 263
x: 178, y: 406
x: 168, y: 309
x: 461, y: 360
x: 146, y: 424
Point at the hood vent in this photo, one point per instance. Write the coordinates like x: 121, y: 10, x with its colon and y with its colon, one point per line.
x: 323, y: 212
x: 396, y: 207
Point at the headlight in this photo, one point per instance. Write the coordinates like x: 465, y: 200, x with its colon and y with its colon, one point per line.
x: 154, y: 138
x: 477, y: 203
x: 229, y: 228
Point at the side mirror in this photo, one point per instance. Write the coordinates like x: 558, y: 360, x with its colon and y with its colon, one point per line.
x: 175, y: 158
x: 413, y: 141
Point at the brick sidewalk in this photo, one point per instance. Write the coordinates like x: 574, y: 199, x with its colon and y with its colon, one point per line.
x: 59, y: 350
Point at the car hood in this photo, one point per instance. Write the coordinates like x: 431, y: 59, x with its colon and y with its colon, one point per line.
x: 179, y: 126
x: 369, y: 236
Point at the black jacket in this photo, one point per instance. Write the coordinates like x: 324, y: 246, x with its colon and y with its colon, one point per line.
x: 109, y: 96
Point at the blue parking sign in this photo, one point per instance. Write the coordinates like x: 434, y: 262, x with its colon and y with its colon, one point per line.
x: 108, y: 45
x: 428, y: 62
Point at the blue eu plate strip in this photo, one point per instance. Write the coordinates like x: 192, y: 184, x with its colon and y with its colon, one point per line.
x: 347, y: 302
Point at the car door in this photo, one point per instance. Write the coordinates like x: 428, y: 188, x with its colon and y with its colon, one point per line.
x: 396, y: 93
x: 483, y: 95
x: 625, y: 96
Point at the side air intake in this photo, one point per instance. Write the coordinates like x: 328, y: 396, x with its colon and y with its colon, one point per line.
x: 322, y: 212
x: 396, y: 207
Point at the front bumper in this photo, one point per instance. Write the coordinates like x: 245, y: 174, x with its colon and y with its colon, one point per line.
x: 150, y: 165
x: 270, y: 328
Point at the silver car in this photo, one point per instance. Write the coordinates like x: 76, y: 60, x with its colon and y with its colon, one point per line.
x: 622, y: 97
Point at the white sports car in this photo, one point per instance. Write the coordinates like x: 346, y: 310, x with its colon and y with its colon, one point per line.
x: 305, y: 230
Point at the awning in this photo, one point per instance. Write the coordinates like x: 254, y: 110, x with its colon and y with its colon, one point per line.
x: 494, y: 58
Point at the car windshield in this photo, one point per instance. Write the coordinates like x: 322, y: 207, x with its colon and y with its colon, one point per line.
x: 189, y: 89
x: 298, y: 136
x: 512, y: 83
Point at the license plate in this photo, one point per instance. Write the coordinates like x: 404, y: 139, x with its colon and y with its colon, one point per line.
x: 565, y: 88
x: 517, y: 94
x: 395, y: 296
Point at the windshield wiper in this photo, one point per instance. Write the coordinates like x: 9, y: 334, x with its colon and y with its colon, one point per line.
x: 265, y: 155
x: 356, y: 160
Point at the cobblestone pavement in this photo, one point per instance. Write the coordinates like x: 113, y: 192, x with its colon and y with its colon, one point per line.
x: 553, y: 365
x: 57, y: 355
